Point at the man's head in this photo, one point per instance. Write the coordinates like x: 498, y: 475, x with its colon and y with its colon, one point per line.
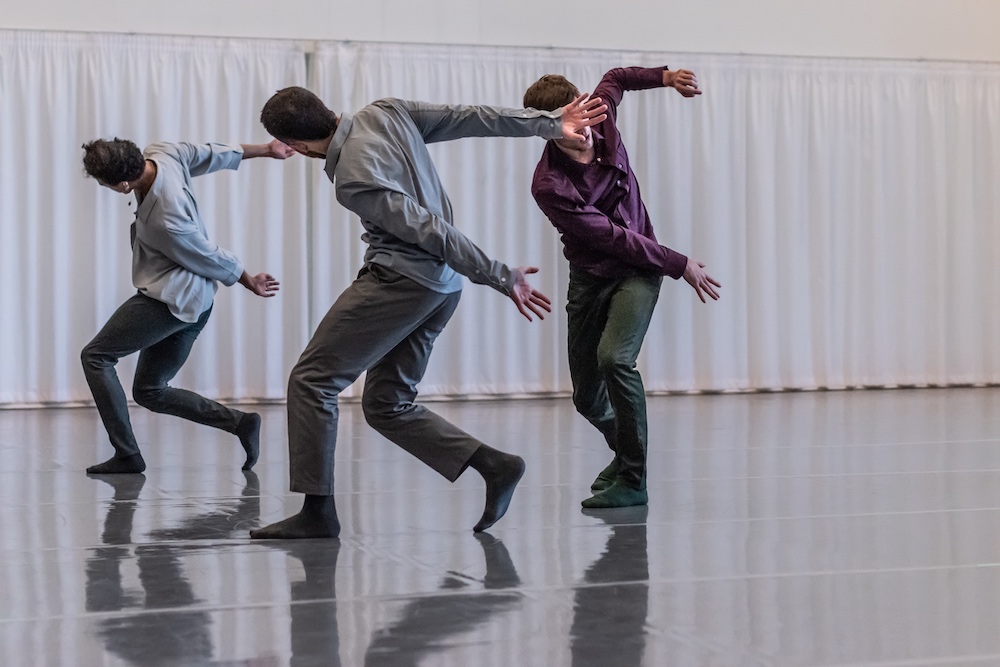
x: 549, y: 93
x: 296, y: 117
x: 114, y: 163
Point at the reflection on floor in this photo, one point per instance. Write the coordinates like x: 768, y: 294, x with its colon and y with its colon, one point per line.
x: 829, y: 528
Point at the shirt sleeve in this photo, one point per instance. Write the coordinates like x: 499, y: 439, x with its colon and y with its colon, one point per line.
x: 185, y: 245
x: 201, y: 159
x: 438, y: 122
x: 612, y: 87
x: 586, y: 225
x: 404, y: 218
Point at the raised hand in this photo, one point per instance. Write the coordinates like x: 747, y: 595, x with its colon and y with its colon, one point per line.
x: 582, y: 113
x: 694, y: 274
x: 262, y: 284
x: 684, y: 81
x: 527, y: 299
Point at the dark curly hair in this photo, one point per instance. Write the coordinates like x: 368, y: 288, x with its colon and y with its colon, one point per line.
x: 549, y: 93
x: 296, y: 114
x: 113, y: 161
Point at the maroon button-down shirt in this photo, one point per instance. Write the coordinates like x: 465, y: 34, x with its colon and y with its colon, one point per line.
x: 597, y: 207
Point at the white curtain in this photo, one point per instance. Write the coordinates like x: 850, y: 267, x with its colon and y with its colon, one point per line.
x: 849, y: 208
x: 64, y: 241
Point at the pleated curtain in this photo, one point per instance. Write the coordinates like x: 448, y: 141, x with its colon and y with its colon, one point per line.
x: 849, y: 208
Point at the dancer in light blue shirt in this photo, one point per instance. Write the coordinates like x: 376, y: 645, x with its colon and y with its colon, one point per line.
x: 175, y: 268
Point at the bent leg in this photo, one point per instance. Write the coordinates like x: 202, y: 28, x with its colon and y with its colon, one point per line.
x: 390, y: 391
x: 369, y: 319
x: 138, y: 323
x: 160, y: 363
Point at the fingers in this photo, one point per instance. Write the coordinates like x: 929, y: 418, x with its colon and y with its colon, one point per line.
x: 541, y: 300
x: 523, y: 310
x: 589, y: 111
x: 706, y: 283
x: 686, y: 83
x: 536, y: 303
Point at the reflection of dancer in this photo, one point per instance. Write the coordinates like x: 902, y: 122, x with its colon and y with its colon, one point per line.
x: 175, y: 268
x: 588, y: 191
x: 609, y: 621
x: 314, y: 630
x: 181, y: 637
x: 386, y: 322
x: 428, y: 620
x: 175, y: 637
x: 104, y: 591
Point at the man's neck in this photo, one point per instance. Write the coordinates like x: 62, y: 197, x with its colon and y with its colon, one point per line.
x: 145, y: 182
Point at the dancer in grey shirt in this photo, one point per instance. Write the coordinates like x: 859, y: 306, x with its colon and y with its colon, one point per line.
x: 387, y: 320
x: 175, y: 268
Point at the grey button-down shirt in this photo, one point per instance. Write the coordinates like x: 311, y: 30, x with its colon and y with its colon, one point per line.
x: 379, y: 163
x: 173, y: 260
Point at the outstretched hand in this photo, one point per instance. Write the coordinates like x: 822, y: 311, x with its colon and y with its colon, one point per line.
x: 527, y: 299
x: 580, y: 114
x: 694, y: 274
x: 684, y: 81
x: 279, y: 151
x: 262, y: 284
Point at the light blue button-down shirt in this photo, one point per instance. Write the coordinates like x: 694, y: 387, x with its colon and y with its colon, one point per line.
x: 173, y: 260
x: 379, y: 163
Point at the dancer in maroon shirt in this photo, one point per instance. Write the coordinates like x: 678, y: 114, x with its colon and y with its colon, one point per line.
x: 588, y: 191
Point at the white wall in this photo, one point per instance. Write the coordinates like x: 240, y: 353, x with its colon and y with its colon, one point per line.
x: 909, y: 29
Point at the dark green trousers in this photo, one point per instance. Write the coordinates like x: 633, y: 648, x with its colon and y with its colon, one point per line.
x: 607, y: 320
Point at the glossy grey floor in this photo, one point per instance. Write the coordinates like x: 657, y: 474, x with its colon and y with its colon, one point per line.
x: 827, y: 528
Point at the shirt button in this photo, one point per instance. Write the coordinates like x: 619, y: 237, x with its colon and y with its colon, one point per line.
x: 598, y: 159
x: 503, y: 280
x: 619, y: 166
x: 618, y: 182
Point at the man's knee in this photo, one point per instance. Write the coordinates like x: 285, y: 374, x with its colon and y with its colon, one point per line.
x: 380, y: 411
x: 591, y: 406
x: 303, y: 379
x: 93, y: 359
x: 149, y: 397
x: 611, y: 361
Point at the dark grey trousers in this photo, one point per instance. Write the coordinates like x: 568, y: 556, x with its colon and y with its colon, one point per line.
x: 146, y: 325
x: 386, y: 324
x: 607, y: 321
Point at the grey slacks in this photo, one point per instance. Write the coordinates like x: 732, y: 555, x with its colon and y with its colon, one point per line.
x: 146, y: 325
x: 386, y: 324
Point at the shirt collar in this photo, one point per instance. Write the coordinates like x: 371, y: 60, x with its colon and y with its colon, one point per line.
x: 337, y: 144
x: 142, y: 212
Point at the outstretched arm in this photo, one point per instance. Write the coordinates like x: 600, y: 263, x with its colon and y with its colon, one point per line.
x: 438, y: 122
x: 404, y: 218
x: 274, y: 149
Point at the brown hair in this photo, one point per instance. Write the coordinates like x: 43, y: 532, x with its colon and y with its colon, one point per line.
x: 549, y: 93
